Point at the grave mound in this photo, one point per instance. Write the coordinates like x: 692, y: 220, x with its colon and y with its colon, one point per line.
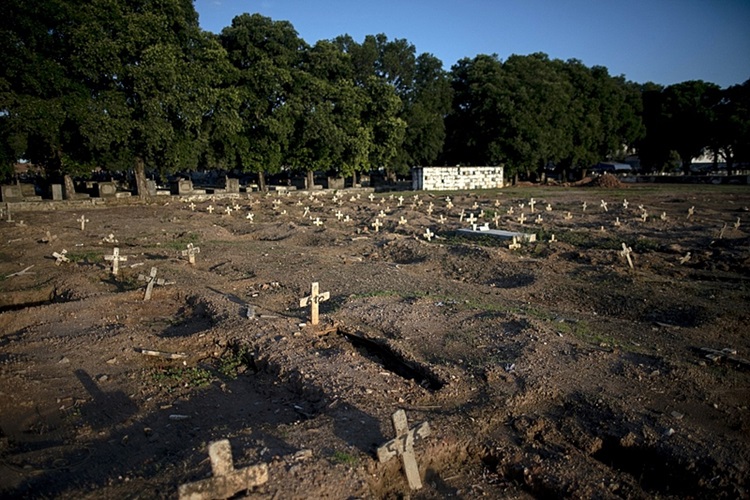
x: 607, y: 181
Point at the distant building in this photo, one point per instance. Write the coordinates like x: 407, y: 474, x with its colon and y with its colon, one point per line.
x: 456, y: 178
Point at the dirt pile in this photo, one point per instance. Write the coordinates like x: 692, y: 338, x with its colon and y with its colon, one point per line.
x: 606, y: 181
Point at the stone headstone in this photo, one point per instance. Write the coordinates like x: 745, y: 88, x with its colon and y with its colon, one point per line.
x: 232, y: 185
x: 57, y: 192
x: 106, y: 189
x: 11, y: 193
x: 183, y: 187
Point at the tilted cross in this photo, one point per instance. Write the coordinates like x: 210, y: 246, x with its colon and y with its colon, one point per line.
x: 60, y: 257
x: 83, y: 220
x: 585, y: 205
x: 226, y: 481
x: 625, y: 252
x: 403, y: 446
x: 250, y: 217
x: 496, y: 220
x: 190, y: 252
x: 691, y: 212
x: 150, y: 282
x: 604, y: 205
x: 116, y: 258
x: 625, y: 204
x: 314, y: 299
x: 442, y: 219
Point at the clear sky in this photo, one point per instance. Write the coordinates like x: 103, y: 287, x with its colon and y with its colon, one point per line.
x: 661, y: 41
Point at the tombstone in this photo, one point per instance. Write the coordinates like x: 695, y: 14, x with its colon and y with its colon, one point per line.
x: 232, y: 185
x: 116, y: 258
x: 106, y: 189
x: 336, y: 183
x: 182, y: 187
x: 57, y: 192
x: 151, y: 187
x: 625, y: 252
x: 190, y: 253
x: 314, y: 299
x: 403, y: 445
x: 11, y: 193
x: 60, y: 257
x: 226, y: 481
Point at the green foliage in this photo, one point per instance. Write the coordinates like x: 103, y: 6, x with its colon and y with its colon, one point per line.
x: 234, y: 361
x: 342, y: 457
x: 173, y: 377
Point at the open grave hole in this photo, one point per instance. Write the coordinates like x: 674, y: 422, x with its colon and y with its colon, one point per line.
x: 393, y: 361
x: 42, y: 296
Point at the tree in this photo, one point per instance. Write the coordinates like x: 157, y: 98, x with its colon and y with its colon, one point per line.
x: 731, y: 131
x: 266, y: 55
x: 688, y: 109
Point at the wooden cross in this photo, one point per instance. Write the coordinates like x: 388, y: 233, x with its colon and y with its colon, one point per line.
x: 603, y: 204
x: 401, y: 221
x: 377, y: 225
x: 723, y: 229
x: 228, y: 210
x: 691, y: 212
x: 568, y: 216
x: 684, y: 259
x: 306, y: 212
x: 522, y: 218
x: 210, y: 209
x: 625, y: 203
x: 584, y: 206
x: 60, y: 257
x: 463, y: 214
x: 371, y: 197
x: 471, y: 219
x: 226, y: 481
x: 442, y: 219
x: 400, y: 200
x: 83, y: 220
x: 617, y: 222
x: 190, y: 253
x: 428, y: 234
x: 496, y: 220
x: 625, y: 252
x: 403, y: 446
x: 116, y: 258
x: 532, y: 202
x: 515, y: 245
x: 314, y: 299
x: 548, y: 208
x: 317, y: 222
x: 250, y: 217
x: 150, y: 282
x: 429, y: 209
x: 339, y: 215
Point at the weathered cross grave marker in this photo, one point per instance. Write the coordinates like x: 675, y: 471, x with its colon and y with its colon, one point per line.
x: 339, y: 215
x: 116, y: 258
x: 428, y: 235
x: 625, y: 252
x: 532, y: 203
x: 522, y: 218
x: 403, y: 446
x: 737, y: 224
x: 691, y: 212
x: 625, y: 204
x: 60, y: 257
x: 471, y: 219
x: 663, y: 216
x: 400, y: 200
x: 190, y: 252
x: 538, y: 219
x: 401, y: 221
x: 514, y: 245
x: 377, y: 225
x: 548, y: 208
x: 568, y: 216
x: 442, y: 219
x: 617, y: 222
x: 228, y: 210
x: 192, y: 206
x: 317, y: 222
x: 604, y: 205
x: 644, y: 216
x: 251, y: 217
x: 150, y: 282
x: 83, y: 220
x: 683, y: 260
x: 226, y: 481
x: 49, y: 238
x: 314, y: 299
x: 584, y: 206
x: 210, y: 209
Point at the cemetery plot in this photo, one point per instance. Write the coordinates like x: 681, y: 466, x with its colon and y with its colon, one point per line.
x: 553, y: 368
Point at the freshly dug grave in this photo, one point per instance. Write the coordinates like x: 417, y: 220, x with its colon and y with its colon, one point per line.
x: 552, y: 370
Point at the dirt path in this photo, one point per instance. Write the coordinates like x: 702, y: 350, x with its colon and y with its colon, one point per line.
x: 552, y: 370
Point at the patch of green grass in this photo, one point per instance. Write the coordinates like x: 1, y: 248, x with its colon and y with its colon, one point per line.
x: 181, y: 241
x: 235, y: 361
x: 342, y: 457
x: 89, y: 257
x: 182, y: 376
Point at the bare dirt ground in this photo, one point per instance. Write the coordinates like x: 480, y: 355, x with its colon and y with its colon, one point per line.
x: 553, y: 370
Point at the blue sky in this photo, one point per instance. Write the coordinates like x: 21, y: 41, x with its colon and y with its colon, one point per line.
x: 662, y: 41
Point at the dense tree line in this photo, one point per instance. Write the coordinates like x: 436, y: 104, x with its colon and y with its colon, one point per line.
x: 138, y: 86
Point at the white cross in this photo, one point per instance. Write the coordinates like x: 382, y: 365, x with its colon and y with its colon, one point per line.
x: 475, y: 206
x: 497, y: 203
x: 442, y: 219
x: 318, y: 222
x: 236, y: 206
x: 509, y: 211
x: 314, y: 299
x: 683, y: 260
x: 228, y: 210
x: 663, y: 216
x: 532, y: 202
x: 496, y: 220
x: 190, y: 252
x: 604, y: 205
x: 723, y: 228
x: 150, y: 282
x: 481, y: 214
x: 548, y: 208
x: 471, y: 219
x: 403, y: 446
x: 449, y: 205
x: 428, y: 234
x: 306, y: 212
x: 60, y: 257
x: 568, y: 216
x: 644, y: 216
x: 381, y: 214
x: 401, y: 221
x: 691, y: 212
x: 738, y: 223
x: 377, y: 225
x: 250, y: 216
x: 429, y: 209
x: 552, y: 239
x: 116, y: 258
x: 192, y: 206
x: 538, y: 219
x: 339, y: 215
x: 210, y: 209
x: 625, y: 252
x: 400, y: 200
x: 584, y: 206
x: 514, y: 245
x: 625, y: 204
x: 83, y: 220
x: 522, y: 218
x: 617, y: 222
x: 371, y: 197
x: 226, y: 481
x: 463, y: 214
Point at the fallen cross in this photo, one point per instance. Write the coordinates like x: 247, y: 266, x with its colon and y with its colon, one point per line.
x: 116, y: 258
x: 499, y: 233
x: 314, y: 299
x: 60, y: 257
x: 150, y: 282
x: 21, y: 273
x: 226, y: 481
x: 403, y: 445
x: 625, y: 252
x: 190, y: 252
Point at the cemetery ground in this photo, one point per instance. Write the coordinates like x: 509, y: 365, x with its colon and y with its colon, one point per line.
x: 551, y: 370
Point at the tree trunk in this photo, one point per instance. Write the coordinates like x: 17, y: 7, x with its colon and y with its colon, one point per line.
x: 141, y: 186
x: 262, y: 181
x: 310, y: 182
x: 69, y: 188
x: 354, y: 179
